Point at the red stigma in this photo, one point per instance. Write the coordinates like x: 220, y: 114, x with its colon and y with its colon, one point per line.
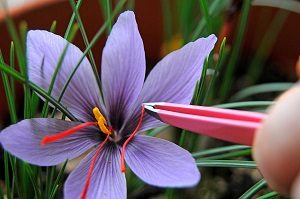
x: 90, y: 172
x: 52, y: 138
x: 123, y: 168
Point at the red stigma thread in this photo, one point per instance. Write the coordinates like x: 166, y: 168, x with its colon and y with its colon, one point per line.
x: 123, y: 168
x: 52, y: 138
x: 90, y: 172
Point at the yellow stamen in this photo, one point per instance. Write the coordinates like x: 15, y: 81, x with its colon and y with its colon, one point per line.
x: 102, y: 123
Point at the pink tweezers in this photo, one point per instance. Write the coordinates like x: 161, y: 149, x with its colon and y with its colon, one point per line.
x: 225, y: 124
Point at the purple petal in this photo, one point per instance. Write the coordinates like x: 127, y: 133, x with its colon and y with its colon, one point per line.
x: 23, y: 140
x: 43, y: 53
x: 161, y: 163
x: 172, y: 80
x: 123, y: 68
x: 107, y: 182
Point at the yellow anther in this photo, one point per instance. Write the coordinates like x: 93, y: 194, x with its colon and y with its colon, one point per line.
x: 102, y: 123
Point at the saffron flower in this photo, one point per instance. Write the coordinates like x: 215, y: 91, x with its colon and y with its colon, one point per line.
x: 111, y: 126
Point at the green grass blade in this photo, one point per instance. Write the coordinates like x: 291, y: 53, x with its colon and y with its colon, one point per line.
x: 261, y: 88
x: 250, y: 193
x: 7, y: 175
x: 185, y: 17
x: 130, y: 4
x: 206, y: 15
x: 58, y: 180
x: 227, y: 163
x: 53, y: 26
x: 157, y: 130
x: 86, y: 41
x: 266, y: 45
x: 33, y: 180
x: 245, y: 104
x: 19, y: 77
x: 12, y: 64
x: 216, y: 7
x: 106, y: 8
x: 14, y: 165
x: 27, y: 93
x: 9, y: 95
x: 217, y: 69
x: 167, y: 20
x: 236, y: 48
x: 218, y: 150
x: 18, y: 44
x: 269, y: 195
x: 72, y: 20
x: 234, y: 154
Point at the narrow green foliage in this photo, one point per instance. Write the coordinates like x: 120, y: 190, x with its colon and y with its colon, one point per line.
x: 219, y: 150
x: 206, y: 16
x: 250, y: 193
x: 9, y: 94
x: 266, y: 45
x: 261, y: 88
x: 58, y: 180
x: 7, y: 175
x: 18, y: 44
x: 106, y: 8
x: 53, y: 26
x: 215, y: 8
x: 269, y: 195
x: 211, y: 84
x: 20, y: 52
x: 15, y: 178
x: 236, y: 48
x: 202, y: 85
x: 23, y: 29
x: 12, y: 64
x: 170, y: 193
x: 33, y: 178
x: 85, y: 39
x: 226, y: 163
x: 130, y: 4
x: 186, y: 16
x: 37, y: 89
x: 156, y: 131
x: 167, y: 20
x: 230, y: 155
x: 72, y: 20
x: 245, y: 104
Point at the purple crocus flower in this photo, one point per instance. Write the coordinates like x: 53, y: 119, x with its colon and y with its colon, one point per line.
x: 109, y: 122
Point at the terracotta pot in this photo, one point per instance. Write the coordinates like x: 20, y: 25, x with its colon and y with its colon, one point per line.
x: 40, y: 15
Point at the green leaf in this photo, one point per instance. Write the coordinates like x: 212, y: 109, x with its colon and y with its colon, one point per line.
x: 85, y: 39
x: 254, y: 189
x: 236, y: 48
x: 269, y: 195
x: 245, y: 104
x: 261, y: 88
x: 53, y: 26
x: 218, y: 150
x: 207, y: 17
x: 227, y: 163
